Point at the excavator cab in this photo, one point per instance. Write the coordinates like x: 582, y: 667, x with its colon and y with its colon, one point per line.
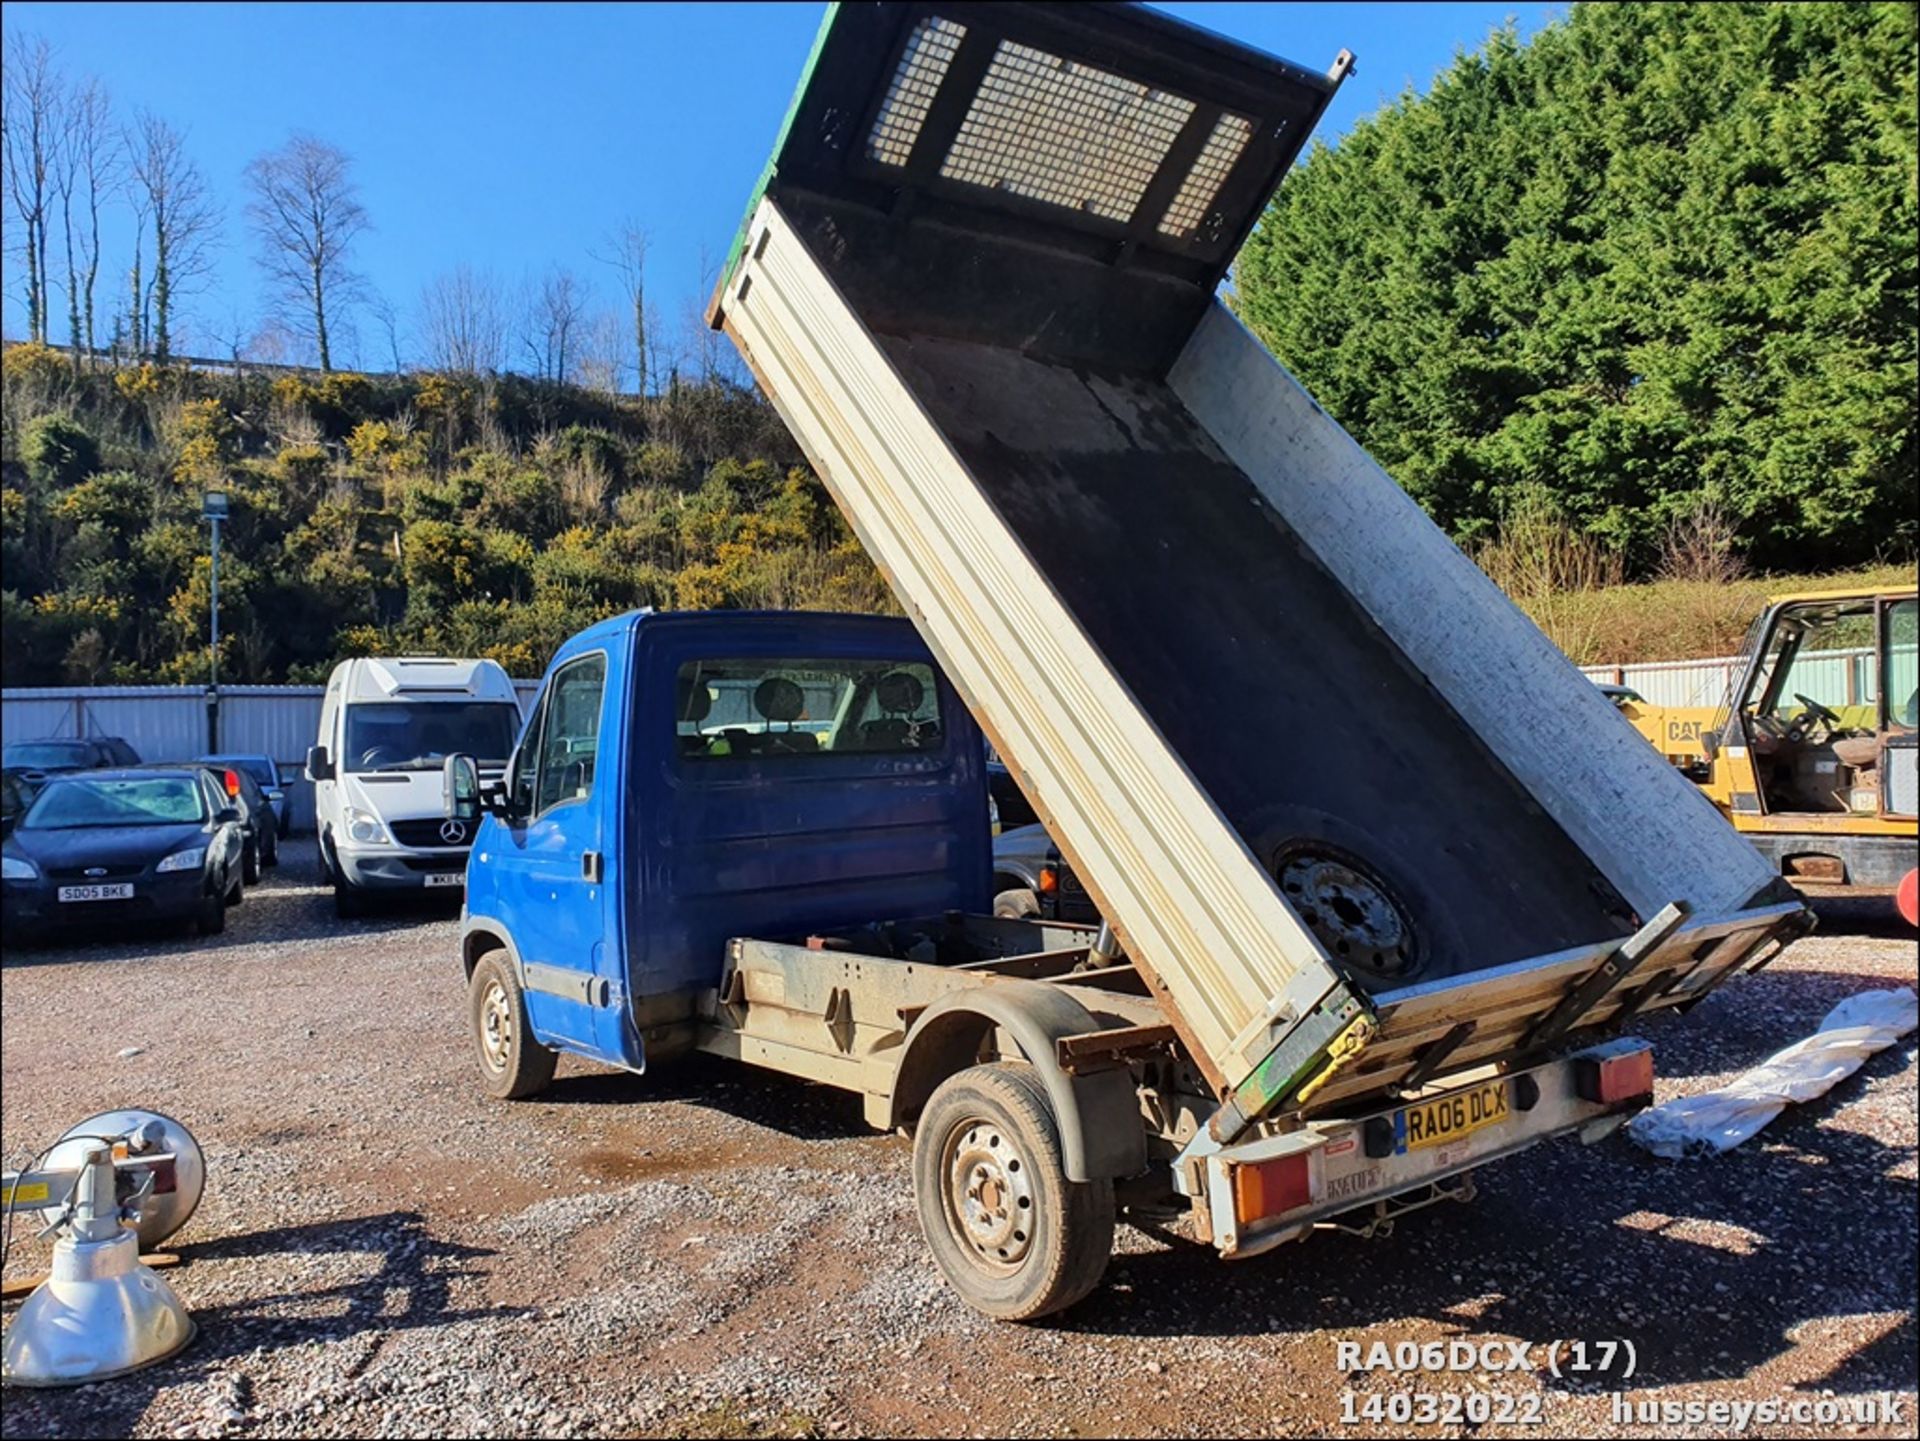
x: 1814, y: 753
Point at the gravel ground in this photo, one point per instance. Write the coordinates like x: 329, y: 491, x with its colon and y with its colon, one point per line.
x: 722, y: 1252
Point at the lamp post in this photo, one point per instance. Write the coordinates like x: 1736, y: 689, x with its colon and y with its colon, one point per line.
x: 213, y: 510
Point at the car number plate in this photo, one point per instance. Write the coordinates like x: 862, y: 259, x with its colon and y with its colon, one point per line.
x: 122, y: 892
x: 1448, y: 1118
x: 445, y: 878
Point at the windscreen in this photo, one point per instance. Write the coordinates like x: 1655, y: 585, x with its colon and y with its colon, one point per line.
x: 49, y: 753
x: 418, y: 736
x: 259, y: 767
x: 741, y: 709
x: 141, y: 801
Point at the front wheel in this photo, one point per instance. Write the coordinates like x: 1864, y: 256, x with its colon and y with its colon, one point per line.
x: 250, y: 863
x: 211, y: 919
x: 513, y: 1065
x: 1008, y: 1230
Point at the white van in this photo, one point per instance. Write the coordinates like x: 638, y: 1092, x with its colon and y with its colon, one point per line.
x: 387, y: 725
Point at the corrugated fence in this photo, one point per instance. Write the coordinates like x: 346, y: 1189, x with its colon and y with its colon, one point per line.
x: 166, y: 722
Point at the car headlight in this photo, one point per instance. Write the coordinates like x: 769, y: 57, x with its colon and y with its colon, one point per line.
x: 365, y: 827
x: 184, y: 860
x: 15, y: 869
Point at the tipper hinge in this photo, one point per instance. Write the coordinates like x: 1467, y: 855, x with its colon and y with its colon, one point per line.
x: 1327, y: 1037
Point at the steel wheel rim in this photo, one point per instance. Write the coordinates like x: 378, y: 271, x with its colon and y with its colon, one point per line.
x: 496, y: 1026
x: 988, y: 1194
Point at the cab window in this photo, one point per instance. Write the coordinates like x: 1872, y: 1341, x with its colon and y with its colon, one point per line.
x: 1901, y: 663
x: 751, y: 709
x: 569, y: 739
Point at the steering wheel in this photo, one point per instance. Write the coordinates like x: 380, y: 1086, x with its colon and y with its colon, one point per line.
x: 375, y: 756
x: 1814, y: 714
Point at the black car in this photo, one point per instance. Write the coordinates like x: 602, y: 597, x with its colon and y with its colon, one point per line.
x: 259, y: 829
x: 113, y: 847
x: 266, y: 772
x: 17, y: 790
x: 45, y: 757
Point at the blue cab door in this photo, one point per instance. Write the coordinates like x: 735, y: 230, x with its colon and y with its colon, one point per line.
x: 553, y: 873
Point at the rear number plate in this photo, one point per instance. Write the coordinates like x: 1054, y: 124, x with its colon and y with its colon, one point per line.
x: 121, y: 892
x: 1448, y: 1118
x: 445, y: 878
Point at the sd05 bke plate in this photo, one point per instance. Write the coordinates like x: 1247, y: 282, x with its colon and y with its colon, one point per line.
x: 1450, y: 1117
x: 121, y: 892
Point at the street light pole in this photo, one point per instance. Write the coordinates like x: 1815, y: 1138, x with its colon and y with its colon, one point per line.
x: 214, y: 510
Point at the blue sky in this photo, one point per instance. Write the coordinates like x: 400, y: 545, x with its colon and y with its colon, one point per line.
x: 512, y: 137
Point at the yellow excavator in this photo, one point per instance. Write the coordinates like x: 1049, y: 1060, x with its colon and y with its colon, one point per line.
x: 1813, y: 753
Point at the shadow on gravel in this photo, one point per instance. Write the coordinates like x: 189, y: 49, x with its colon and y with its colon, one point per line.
x: 765, y: 1098
x: 414, y: 1267
x: 1709, y: 1267
x: 1848, y: 914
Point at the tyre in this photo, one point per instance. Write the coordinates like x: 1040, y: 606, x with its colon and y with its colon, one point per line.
x: 348, y: 902
x: 513, y: 1065
x: 1008, y: 1230
x: 212, y: 917
x: 250, y: 862
x: 1018, y: 904
x: 236, y: 886
x: 270, y: 844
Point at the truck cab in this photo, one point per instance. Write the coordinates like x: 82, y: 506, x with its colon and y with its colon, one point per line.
x: 687, y: 778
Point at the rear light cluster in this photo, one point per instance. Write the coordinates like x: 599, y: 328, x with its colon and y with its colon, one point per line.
x: 1607, y: 1080
x: 1263, y: 1189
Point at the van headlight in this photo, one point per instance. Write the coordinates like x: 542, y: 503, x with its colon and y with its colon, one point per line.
x: 184, y: 860
x: 13, y: 868
x: 365, y: 827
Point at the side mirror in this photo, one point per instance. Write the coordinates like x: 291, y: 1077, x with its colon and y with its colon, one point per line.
x: 227, y: 816
x: 319, y: 768
x: 460, y: 788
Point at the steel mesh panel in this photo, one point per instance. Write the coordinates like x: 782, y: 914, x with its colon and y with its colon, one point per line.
x: 1230, y: 136
x: 1065, y: 133
x: 923, y: 65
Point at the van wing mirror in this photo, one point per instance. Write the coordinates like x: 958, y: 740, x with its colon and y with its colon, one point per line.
x: 460, y: 788
x: 319, y: 767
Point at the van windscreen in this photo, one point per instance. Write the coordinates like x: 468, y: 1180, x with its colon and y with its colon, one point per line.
x: 415, y: 736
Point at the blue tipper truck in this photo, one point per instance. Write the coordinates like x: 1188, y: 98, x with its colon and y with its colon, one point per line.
x: 1383, y: 877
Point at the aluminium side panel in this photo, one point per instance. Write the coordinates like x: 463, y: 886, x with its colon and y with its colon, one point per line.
x: 1651, y: 831
x: 1231, y: 961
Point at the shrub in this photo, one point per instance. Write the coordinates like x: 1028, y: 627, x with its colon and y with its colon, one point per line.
x: 58, y: 452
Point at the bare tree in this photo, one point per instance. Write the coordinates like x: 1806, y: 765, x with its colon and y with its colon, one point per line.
x: 90, y: 175
x: 306, y: 215
x: 625, y: 252
x: 29, y: 120
x: 184, y: 218
x: 602, y: 353
x: 388, y: 318
x: 463, y: 322
x: 553, y: 312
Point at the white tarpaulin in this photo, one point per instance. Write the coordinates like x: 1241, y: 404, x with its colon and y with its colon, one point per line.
x: 1720, y: 1120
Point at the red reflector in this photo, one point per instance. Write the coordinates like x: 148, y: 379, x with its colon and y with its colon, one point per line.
x: 1272, y: 1188
x: 1616, y: 1078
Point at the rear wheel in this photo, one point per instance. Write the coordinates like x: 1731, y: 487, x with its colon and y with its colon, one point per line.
x: 1008, y: 1230
x: 1017, y: 904
x: 513, y: 1065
